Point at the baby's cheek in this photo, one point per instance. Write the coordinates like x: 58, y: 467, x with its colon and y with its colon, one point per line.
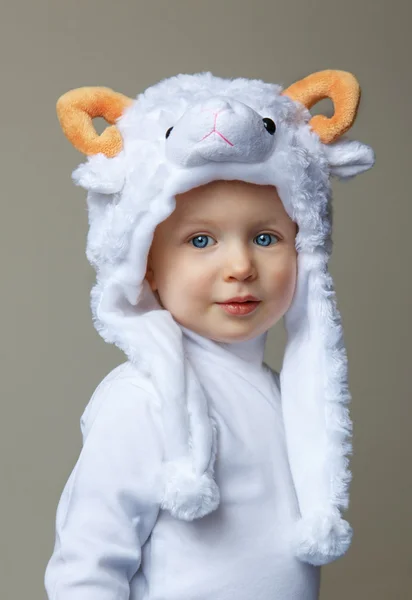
x: 206, y: 289
x: 198, y: 279
x: 284, y: 279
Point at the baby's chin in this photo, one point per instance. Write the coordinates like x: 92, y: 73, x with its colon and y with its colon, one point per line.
x: 225, y: 332
x: 231, y: 337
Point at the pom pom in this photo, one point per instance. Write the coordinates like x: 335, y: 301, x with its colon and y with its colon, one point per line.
x: 188, y: 495
x: 321, y: 539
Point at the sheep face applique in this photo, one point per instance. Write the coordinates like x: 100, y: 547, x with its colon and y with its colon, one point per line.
x: 222, y: 130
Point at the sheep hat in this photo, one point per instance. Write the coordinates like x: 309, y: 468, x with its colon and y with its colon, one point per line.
x: 181, y: 133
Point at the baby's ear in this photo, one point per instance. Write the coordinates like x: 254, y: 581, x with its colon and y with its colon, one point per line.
x: 149, y: 275
x: 348, y: 158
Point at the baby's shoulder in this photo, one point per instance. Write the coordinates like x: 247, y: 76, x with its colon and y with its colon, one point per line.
x: 127, y: 373
x: 123, y: 383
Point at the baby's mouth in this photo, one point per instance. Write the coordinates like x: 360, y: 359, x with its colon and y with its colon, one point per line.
x: 239, y: 308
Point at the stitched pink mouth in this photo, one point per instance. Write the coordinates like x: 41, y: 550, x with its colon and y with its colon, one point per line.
x: 218, y: 133
x: 214, y: 130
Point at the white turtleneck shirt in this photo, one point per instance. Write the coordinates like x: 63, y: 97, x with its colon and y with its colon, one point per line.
x: 113, y: 542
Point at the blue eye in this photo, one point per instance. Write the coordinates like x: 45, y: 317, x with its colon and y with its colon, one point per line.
x: 263, y: 237
x: 200, y: 238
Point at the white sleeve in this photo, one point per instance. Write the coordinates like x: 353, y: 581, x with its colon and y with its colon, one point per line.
x: 110, y: 502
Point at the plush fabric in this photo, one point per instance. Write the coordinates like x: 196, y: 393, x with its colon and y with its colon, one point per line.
x: 76, y: 110
x: 344, y: 91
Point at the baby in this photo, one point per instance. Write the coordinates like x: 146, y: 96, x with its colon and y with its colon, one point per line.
x: 224, y: 240
x: 204, y: 474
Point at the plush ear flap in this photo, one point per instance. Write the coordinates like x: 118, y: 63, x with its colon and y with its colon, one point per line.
x: 77, y: 108
x: 348, y: 158
x: 344, y: 91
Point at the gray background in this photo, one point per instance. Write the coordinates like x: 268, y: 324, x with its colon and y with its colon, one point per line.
x: 52, y: 358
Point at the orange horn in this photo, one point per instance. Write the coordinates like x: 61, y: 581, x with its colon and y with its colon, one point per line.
x: 76, y: 110
x: 344, y: 91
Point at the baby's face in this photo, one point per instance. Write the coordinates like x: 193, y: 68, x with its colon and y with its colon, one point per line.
x: 225, y: 239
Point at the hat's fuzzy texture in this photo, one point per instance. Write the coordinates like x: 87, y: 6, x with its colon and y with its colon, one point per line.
x: 189, y: 495
x: 128, y: 195
x: 322, y: 538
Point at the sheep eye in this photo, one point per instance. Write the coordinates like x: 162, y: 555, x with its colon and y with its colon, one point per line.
x: 270, y: 125
x: 168, y: 132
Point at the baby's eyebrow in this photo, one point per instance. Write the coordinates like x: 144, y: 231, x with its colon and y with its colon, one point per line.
x: 200, y: 221
x: 265, y: 222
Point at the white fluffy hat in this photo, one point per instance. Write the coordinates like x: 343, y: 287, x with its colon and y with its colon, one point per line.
x: 184, y: 132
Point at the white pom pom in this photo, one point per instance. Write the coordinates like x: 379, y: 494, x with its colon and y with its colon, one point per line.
x: 321, y: 539
x: 188, y: 495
